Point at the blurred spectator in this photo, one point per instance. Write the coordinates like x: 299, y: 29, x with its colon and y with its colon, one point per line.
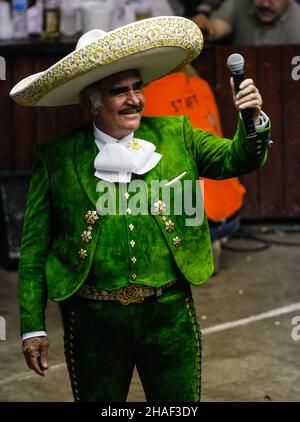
x: 257, y: 22
x: 197, y: 10
x: 190, y: 8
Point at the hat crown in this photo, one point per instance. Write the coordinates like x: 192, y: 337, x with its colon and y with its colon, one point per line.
x: 89, y: 37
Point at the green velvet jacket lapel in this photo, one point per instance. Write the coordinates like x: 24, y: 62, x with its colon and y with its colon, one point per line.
x: 85, y: 151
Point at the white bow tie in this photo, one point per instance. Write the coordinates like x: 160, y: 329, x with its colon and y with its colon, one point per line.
x: 117, y: 160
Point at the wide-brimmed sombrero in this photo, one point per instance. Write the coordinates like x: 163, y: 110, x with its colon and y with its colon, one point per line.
x: 156, y: 46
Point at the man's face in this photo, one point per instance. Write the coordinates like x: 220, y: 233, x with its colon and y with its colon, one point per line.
x: 268, y: 11
x: 122, y: 103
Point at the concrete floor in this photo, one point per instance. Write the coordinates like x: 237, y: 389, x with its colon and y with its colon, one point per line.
x: 255, y: 361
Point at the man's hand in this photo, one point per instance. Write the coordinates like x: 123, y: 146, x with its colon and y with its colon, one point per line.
x: 35, y: 351
x: 212, y: 28
x: 248, y: 97
x: 202, y: 21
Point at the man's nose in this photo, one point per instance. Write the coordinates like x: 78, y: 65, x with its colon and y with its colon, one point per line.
x: 133, y: 97
x: 265, y: 3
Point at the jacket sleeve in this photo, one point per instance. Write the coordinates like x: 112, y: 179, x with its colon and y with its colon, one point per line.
x: 34, y: 246
x: 221, y: 158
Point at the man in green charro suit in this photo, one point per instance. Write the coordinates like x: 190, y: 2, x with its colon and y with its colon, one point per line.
x: 122, y: 273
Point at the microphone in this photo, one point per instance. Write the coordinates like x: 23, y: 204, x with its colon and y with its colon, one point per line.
x: 235, y: 63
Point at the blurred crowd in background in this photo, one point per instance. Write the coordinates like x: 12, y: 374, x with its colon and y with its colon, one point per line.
x: 250, y: 22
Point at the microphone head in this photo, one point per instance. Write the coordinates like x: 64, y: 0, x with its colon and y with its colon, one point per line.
x: 235, y: 63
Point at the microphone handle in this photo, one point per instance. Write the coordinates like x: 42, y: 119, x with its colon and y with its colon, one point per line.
x: 247, y: 114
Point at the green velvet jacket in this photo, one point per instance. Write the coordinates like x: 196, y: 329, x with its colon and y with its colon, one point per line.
x: 63, y: 190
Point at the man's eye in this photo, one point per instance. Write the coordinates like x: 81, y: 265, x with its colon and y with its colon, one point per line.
x: 138, y: 86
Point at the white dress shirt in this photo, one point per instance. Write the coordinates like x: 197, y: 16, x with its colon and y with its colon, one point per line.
x: 119, y: 158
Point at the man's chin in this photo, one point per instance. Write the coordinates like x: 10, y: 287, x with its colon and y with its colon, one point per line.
x: 131, y: 123
x: 266, y: 18
x: 132, y: 120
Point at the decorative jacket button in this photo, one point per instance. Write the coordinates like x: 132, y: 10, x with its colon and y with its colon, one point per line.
x: 177, y: 241
x: 82, y: 253
x: 132, y: 243
x: 86, y: 236
x: 91, y: 217
x: 159, y: 208
x: 133, y: 276
x: 169, y: 226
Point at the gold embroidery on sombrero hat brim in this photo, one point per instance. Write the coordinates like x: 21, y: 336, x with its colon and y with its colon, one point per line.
x: 115, y: 46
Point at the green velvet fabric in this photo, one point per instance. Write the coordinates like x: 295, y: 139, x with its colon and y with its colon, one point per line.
x: 104, y: 340
x: 112, y: 265
x: 63, y: 189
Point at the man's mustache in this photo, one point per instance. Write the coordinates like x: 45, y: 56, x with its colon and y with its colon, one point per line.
x: 132, y: 109
x: 265, y: 10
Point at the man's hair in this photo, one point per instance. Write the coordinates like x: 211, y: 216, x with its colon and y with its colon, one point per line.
x: 90, y: 97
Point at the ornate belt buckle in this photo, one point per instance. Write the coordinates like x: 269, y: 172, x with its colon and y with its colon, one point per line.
x: 129, y: 294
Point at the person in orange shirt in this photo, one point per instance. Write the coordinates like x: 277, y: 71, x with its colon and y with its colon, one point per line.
x: 185, y: 93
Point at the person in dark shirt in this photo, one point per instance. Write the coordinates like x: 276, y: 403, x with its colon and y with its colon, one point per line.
x: 254, y: 22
